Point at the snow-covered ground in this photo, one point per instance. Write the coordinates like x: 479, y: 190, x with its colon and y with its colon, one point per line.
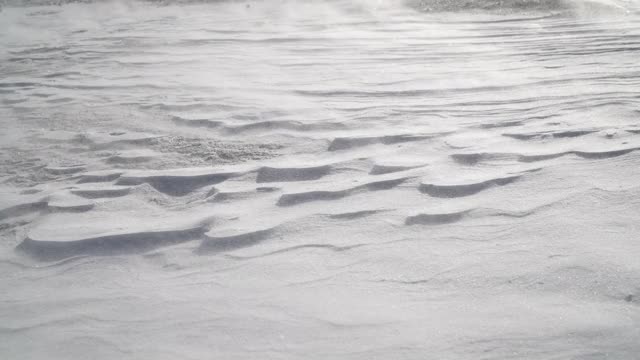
x: 320, y: 180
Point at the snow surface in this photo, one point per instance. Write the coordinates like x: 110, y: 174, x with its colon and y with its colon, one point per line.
x: 427, y: 179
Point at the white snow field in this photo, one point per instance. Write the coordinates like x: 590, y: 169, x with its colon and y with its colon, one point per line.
x: 282, y: 179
